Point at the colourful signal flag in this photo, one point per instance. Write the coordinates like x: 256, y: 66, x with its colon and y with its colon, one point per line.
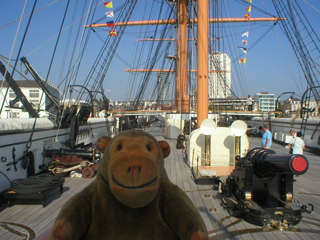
x: 108, y: 4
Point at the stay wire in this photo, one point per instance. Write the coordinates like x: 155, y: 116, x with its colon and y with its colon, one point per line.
x: 29, y: 143
x: 63, y: 64
x: 48, y: 5
x: 149, y: 54
x: 139, y: 52
x: 312, y: 6
x: 256, y: 42
x: 51, y: 39
x: 20, y: 48
x: 104, y: 61
x: 239, y: 72
x: 74, y: 66
x: 221, y: 77
x: 57, y: 42
x: 24, y: 37
x: 246, y: 3
x: 92, y: 70
x: 83, y: 43
x: 135, y: 60
x: 150, y: 66
x: 127, y: 12
x: 301, y: 51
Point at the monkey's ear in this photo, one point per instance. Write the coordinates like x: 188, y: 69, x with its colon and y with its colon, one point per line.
x: 102, y: 143
x: 165, y: 148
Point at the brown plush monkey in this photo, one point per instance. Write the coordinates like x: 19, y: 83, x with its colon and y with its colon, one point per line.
x: 131, y: 198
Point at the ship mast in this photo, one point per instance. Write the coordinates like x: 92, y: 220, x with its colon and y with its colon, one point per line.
x: 203, y: 60
x: 181, y: 85
x: 203, y: 20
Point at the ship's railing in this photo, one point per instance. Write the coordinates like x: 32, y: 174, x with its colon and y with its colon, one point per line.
x: 215, y: 104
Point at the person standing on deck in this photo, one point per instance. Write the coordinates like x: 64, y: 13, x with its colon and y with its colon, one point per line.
x: 266, y: 137
x: 293, y: 134
x: 298, y: 144
x: 249, y: 103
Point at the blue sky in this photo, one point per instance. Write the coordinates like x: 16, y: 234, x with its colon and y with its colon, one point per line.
x: 271, y: 65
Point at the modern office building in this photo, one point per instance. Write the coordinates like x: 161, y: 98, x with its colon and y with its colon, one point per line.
x: 265, y: 102
x: 219, y: 75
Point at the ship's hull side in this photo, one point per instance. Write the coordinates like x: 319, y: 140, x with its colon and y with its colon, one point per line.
x: 14, y: 143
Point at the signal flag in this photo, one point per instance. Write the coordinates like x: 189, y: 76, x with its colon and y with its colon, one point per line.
x: 110, y: 23
x: 243, y: 60
x: 108, y: 4
x: 113, y: 33
x: 109, y: 14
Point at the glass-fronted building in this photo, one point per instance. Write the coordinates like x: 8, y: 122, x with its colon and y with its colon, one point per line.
x: 265, y: 102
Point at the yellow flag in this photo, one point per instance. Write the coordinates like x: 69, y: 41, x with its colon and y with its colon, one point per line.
x: 113, y: 33
x: 243, y: 60
x: 108, y: 4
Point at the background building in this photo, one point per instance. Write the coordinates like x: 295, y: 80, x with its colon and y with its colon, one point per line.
x: 220, y: 79
x: 34, y: 95
x: 264, y: 102
x: 292, y: 106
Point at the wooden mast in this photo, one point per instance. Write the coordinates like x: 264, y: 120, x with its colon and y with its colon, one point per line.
x: 171, y: 70
x: 181, y: 93
x: 183, y: 100
x: 203, y: 60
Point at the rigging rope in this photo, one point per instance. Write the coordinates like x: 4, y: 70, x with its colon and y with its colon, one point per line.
x: 246, y: 3
x: 312, y: 6
x: 224, y: 36
x: 220, y: 75
x: 135, y: 60
x: 152, y: 58
x: 109, y: 48
x: 63, y: 64
x: 286, y: 60
x: 57, y: 42
x: 25, y: 33
x: 83, y: 41
x: 51, y: 39
x: 192, y: 78
x: 299, y: 43
x: 29, y: 143
x: 35, y: 184
x: 19, y: 19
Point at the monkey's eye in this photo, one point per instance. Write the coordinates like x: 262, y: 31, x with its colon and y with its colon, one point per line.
x: 149, y: 148
x: 119, y: 147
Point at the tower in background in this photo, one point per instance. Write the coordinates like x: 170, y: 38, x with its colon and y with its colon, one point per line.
x: 219, y: 75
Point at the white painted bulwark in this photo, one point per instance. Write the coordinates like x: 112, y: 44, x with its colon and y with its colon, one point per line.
x: 25, y: 124
x: 174, y: 127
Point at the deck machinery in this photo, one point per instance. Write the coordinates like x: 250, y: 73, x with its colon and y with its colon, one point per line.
x: 260, y: 189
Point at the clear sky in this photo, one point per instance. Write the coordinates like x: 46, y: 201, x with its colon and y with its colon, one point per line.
x: 271, y: 65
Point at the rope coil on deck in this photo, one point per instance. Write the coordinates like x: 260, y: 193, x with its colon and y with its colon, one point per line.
x: 35, y: 184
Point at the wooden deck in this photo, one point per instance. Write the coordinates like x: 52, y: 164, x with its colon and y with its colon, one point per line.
x: 307, y: 190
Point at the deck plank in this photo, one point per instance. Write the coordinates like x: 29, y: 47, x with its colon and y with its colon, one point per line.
x: 32, y: 214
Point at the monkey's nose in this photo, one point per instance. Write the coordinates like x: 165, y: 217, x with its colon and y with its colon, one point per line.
x: 134, y: 169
